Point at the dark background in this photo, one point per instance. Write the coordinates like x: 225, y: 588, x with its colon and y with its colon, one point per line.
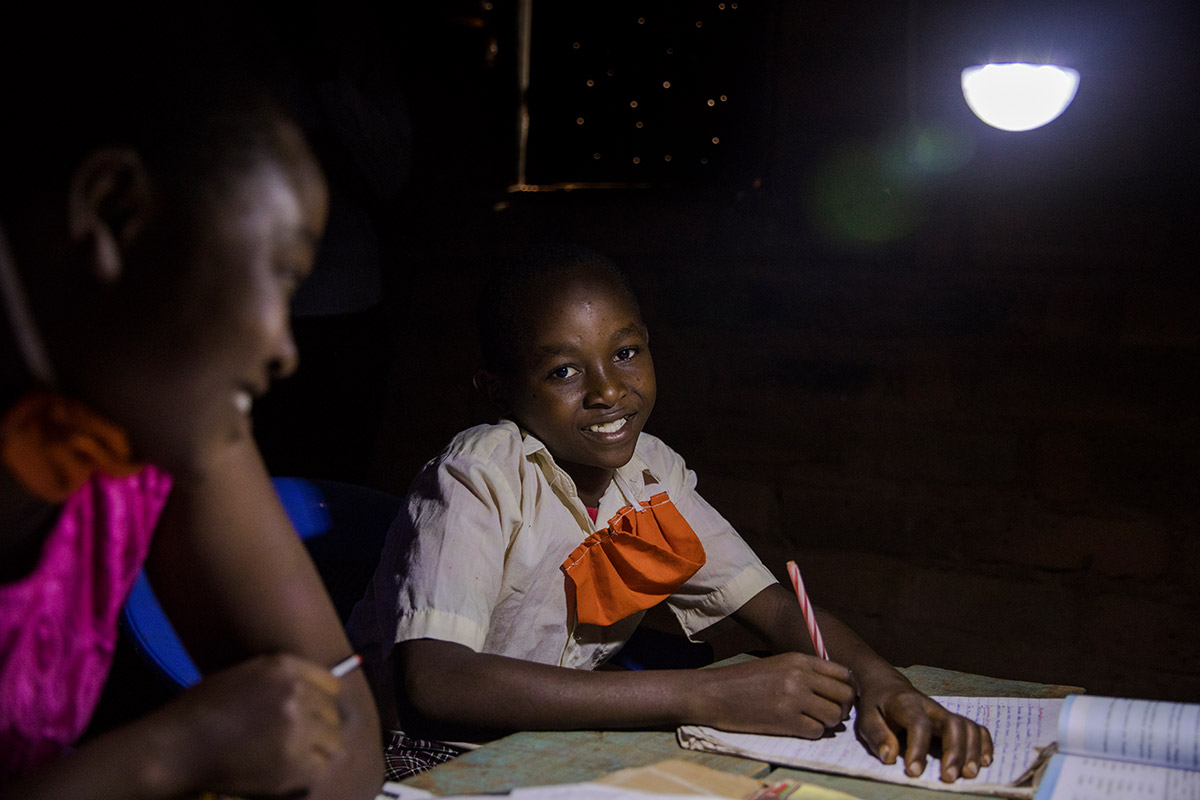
x: 950, y: 370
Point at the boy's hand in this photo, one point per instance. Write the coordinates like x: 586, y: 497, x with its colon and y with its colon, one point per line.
x: 790, y: 694
x: 883, y: 711
x: 888, y: 705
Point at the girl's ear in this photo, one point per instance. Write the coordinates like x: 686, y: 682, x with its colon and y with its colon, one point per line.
x: 491, y: 386
x: 108, y: 201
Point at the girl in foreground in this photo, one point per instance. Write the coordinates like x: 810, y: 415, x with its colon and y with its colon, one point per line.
x: 158, y: 212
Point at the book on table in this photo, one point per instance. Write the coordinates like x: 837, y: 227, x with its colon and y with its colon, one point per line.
x: 1043, y: 748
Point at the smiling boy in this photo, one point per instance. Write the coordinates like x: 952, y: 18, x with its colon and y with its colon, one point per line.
x: 529, y: 550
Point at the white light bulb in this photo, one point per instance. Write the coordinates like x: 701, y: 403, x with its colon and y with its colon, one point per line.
x: 1019, y: 97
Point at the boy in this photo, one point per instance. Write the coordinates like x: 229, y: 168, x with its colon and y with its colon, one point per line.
x: 501, y: 594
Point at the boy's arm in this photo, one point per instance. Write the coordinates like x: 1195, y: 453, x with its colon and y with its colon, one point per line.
x: 454, y: 692
x: 887, y: 702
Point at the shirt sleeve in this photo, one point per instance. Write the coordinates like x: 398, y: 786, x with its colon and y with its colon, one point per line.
x: 732, y: 573
x: 447, y: 549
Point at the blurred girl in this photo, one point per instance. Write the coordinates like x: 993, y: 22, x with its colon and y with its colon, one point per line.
x: 159, y: 210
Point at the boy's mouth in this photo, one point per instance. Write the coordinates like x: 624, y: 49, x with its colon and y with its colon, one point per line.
x: 609, y: 427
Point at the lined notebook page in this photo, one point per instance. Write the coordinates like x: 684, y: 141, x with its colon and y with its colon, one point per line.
x: 1019, y: 725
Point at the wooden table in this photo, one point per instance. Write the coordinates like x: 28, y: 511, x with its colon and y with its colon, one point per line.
x: 538, y: 758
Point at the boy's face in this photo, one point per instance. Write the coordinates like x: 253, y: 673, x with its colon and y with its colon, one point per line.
x: 584, y: 380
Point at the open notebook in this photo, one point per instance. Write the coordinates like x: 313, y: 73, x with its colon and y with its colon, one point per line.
x: 1022, y: 729
x: 1080, y: 748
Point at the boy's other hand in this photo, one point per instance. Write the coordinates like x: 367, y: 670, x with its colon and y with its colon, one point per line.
x: 790, y: 694
x: 885, y: 711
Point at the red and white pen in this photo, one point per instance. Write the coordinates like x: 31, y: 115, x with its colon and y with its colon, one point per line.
x: 810, y: 617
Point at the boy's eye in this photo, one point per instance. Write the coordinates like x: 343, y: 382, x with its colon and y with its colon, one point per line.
x: 565, y: 371
x: 626, y: 353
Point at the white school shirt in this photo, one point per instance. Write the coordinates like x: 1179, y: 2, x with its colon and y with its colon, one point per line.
x: 474, y: 556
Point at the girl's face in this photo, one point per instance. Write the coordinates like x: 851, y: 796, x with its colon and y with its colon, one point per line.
x: 209, y: 334
x: 585, y: 381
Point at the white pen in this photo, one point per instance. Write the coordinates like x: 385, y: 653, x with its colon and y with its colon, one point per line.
x: 347, y: 666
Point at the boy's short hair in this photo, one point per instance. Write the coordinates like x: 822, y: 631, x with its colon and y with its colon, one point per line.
x: 510, y: 288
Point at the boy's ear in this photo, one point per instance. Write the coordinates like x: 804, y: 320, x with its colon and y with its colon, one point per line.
x: 108, y: 201
x: 490, y: 386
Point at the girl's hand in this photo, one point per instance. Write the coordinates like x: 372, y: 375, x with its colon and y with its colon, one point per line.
x: 883, y: 711
x: 268, y: 726
x: 790, y: 694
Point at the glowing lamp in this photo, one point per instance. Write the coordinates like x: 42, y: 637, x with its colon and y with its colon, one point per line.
x: 1019, y: 97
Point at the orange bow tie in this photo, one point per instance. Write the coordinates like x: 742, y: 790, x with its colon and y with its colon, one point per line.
x: 52, y: 445
x: 638, y: 561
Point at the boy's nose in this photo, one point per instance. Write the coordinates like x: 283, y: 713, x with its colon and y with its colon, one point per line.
x: 605, y: 389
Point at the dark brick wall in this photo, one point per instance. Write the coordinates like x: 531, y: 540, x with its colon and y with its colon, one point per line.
x: 990, y: 464
x: 979, y: 435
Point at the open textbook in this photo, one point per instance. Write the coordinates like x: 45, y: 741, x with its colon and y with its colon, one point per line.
x: 1122, y: 749
x: 1080, y: 747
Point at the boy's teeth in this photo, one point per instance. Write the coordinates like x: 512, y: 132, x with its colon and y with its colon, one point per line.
x: 609, y: 427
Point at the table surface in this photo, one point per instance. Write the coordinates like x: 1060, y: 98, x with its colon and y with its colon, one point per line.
x: 539, y: 758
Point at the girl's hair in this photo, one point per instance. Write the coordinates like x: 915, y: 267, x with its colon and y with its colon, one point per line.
x: 189, y: 86
x: 513, y: 285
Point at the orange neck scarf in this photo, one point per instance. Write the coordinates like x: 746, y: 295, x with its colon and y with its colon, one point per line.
x: 53, y: 445
x: 638, y: 561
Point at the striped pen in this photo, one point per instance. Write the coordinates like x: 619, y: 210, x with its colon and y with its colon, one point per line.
x: 810, y: 618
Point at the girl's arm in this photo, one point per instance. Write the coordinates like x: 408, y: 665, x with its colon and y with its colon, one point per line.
x: 244, y: 729
x: 454, y: 692
x: 887, y: 702
x: 268, y: 718
x: 237, y: 583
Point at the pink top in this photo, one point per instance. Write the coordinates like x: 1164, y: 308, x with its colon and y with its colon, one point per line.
x: 58, y: 625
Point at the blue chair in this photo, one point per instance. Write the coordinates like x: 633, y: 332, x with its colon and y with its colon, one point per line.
x: 342, y: 525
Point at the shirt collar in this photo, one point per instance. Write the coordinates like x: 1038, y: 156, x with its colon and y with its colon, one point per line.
x: 628, y: 477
